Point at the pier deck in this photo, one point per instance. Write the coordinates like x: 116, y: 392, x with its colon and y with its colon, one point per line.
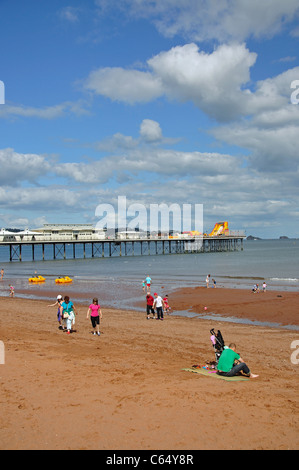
x: 68, y: 249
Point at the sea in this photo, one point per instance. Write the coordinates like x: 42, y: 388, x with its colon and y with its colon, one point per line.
x: 118, y: 280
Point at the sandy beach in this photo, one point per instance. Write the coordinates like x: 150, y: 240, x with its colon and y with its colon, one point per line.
x: 126, y: 389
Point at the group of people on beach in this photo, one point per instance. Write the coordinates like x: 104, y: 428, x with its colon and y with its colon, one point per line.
x: 155, y: 306
x: 256, y: 288
x: 66, y: 314
x: 208, y: 281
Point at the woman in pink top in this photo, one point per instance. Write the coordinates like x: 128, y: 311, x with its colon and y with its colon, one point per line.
x: 94, y: 310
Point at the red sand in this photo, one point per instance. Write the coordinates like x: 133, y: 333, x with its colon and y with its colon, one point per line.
x: 126, y: 389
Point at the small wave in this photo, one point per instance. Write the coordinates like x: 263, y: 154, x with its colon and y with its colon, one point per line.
x: 286, y: 279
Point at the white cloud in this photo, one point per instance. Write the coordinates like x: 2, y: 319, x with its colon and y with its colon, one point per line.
x: 150, y: 131
x: 17, y: 167
x: 70, y: 14
x: 119, y: 84
x: 201, y: 20
x: 47, y: 112
x: 212, y: 81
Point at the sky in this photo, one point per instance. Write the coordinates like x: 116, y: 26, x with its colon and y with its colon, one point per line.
x: 173, y: 102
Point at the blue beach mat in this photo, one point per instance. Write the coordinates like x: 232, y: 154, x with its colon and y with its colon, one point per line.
x: 213, y: 374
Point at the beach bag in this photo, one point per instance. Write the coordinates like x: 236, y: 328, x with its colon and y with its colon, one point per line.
x: 66, y: 313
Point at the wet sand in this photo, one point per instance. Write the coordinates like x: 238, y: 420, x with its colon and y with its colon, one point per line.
x: 126, y: 390
x: 271, y: 306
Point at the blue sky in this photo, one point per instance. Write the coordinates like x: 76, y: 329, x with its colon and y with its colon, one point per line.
x: 185, y: 102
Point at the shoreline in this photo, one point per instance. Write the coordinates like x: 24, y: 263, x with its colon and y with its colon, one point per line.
x: 127, y: 389
x: 274, y: 308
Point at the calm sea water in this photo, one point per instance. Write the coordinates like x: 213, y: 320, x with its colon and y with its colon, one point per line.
x: 117, y: 280
x: 276, y: 261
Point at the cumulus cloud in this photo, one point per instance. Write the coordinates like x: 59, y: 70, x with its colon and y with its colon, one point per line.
x: 120, y: 84
x: 17, y: 167
x: 213, y: 81
x: 150, y: 131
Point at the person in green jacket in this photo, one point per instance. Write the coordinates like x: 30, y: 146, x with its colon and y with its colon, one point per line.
x: 228, y: 368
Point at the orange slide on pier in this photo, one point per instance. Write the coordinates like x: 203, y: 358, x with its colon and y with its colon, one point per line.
x: 221, y: 228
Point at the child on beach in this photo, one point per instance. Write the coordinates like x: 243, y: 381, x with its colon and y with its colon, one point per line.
x: 264, y: 286
x: 94, y: 310
x: 148, y: 284
x: 1, y: 274
x: 11, y: 291
x: 58, y: 303
x: 166, y: 304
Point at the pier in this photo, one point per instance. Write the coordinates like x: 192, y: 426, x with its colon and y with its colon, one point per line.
x: 41, y: 249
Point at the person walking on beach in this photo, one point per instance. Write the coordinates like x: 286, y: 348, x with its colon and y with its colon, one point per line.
x: 58, y: 303
x: 264, y: 286
x: 149, y: 306
x: 1, y: 274
x: 67, y: 310
x: 95, y: 313
x: 11, y: 291
x: 228, y: 368
x: 159, y: 306
x: 208, y: 280
x: 214, y: 283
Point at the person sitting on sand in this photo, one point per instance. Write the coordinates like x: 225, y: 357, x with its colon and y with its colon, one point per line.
x: 228, y: 367
x: 255, y: 289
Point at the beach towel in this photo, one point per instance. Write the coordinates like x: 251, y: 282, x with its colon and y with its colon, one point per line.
x: 210, y: 373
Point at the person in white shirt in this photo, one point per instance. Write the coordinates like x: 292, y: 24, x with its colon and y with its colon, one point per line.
x: 159, y: 306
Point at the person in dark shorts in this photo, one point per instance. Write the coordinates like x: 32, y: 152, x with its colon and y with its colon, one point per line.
x: 150, y: 306
x: 95, y: 313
